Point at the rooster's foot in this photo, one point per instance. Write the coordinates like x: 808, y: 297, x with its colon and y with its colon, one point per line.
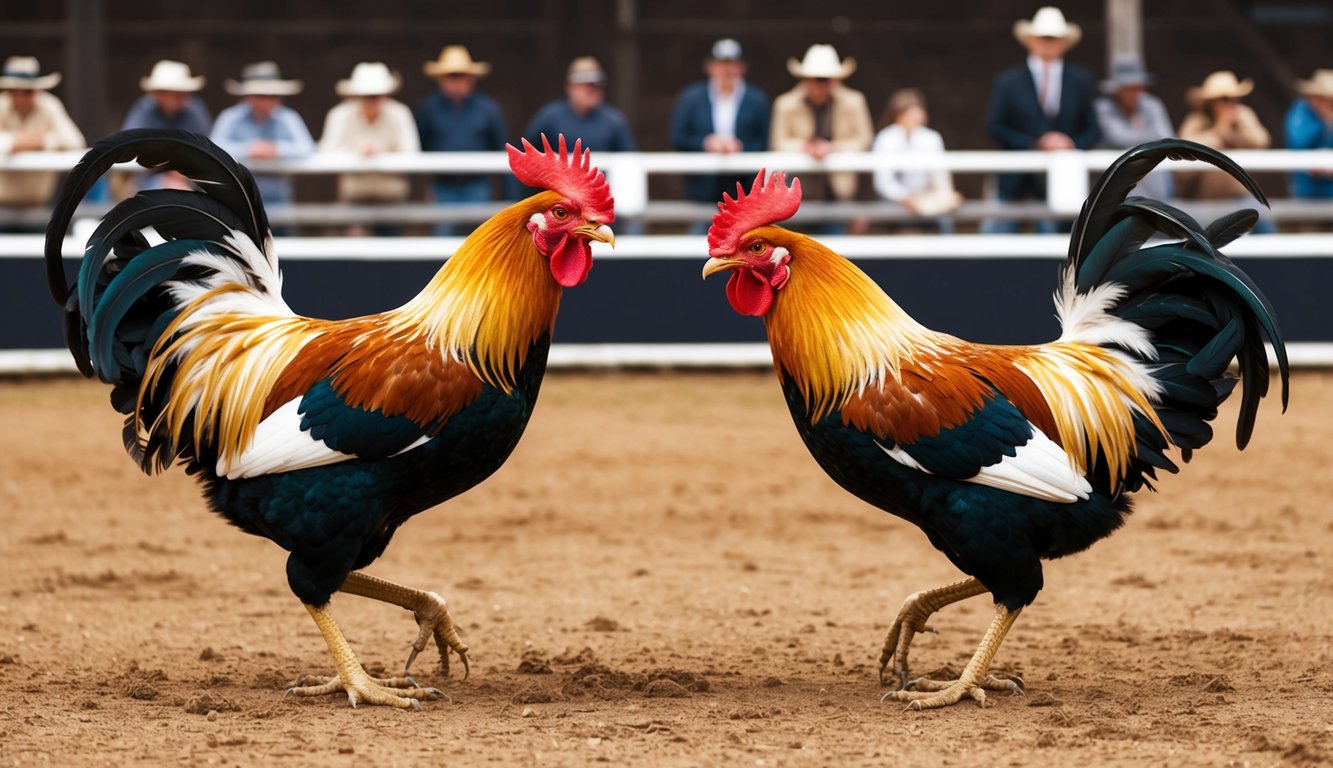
x: 923, y: 693
x: 912, y: 618
x: 361, y: 688
x: 973, y: 682
x: 427, y: 608
x: 434, y: 621
x: 353, y: 679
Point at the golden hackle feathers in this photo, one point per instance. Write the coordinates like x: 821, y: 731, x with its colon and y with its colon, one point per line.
x: 839, y: 336
x: 835, y: 331
x: 483, y: 309
x: 460, y: 310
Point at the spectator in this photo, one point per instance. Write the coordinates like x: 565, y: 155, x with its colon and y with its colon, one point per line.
x: 1309, y: 125
x: 820, y: 116
x: 260, y: 127
x: 367, y: 122
x: 922, y: 192
x: 169, y: 101
x: 583, y: 113
x: 1129, y: 116
x: 31, y: 120
x: 1043, y: 104
x: 459, y: 118
x: 721, y: 115
x: 1218, y: 119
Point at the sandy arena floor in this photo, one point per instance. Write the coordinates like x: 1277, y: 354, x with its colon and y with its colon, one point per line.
x: 660, y: 575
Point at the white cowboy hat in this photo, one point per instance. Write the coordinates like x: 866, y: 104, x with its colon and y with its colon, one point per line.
x: 1048, y: 21
x: 22, y: 73
x: 821, y: 60
x: 455, y: 60
x: 262, y: 79
x: 1321, y: 84
x: 1220, y: 85
x: 369, y: 78
x: 168, y: 75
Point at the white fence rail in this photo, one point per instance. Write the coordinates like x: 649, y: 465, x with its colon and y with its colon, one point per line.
x: 1067, y: 172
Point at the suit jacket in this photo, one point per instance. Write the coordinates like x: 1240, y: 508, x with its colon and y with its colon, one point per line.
x: 853, y: 131
x: 692, y: 120
x: 1015, y: 119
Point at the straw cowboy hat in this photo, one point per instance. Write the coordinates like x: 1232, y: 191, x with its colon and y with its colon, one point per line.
x: 821, y: 61
x: 1126, y: 71
x: 1048, y: 21
x: 455, y: 60
x: 1220, y: 85
x: 369, y: 78
x: 262, y: 79
x: 22, y: 73
x: 1321, y: 84
x: 168, y: 75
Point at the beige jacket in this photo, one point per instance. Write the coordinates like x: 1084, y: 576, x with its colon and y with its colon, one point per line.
x: 1247, y: 133
x: 853, y: 130
x: 347, y: 130
x: 49, y: 118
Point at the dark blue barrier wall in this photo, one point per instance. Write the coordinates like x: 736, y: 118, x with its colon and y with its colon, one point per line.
x: 665, y: 300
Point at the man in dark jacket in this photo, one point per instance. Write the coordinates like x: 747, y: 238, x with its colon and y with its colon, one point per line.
x: 459, y: 118
x: 720, y: 115
x: 1044, y: 104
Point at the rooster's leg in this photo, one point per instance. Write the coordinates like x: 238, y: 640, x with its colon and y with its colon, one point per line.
x: 912, y: 619
x: 427, y: 607
x: 353, y: 678
x: 974, y: 682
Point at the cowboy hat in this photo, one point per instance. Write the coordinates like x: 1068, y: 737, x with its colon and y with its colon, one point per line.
x: 587, y: 70
x: 1048, y: 21
x: 455, y: 60
x: 21, y: 73
x: 170, y: 75
x: 262, y: 79
x: 1126, y: 71
x: 1220, y: 85
x: 726, y: 49
x: 1320, y: 84
x: 821, y: 61
x: 369, y: 78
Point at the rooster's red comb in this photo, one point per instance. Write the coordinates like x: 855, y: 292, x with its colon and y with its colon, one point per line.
x: 571, y: 174
x: 767, y: 203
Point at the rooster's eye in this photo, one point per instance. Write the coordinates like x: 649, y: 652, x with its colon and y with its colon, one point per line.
x: 757, y: 247
x: 559, y: 212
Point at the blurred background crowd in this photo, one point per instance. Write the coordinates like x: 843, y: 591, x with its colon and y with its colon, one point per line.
x: 628, y: 76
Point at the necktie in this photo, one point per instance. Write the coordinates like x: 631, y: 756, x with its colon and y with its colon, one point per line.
x: 1044, y: 89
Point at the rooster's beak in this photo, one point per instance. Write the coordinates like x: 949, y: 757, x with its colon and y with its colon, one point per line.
x: 601, y: 233
x: 715, y: 265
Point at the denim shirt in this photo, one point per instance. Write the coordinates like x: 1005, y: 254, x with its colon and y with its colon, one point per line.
x: 236, y: 128
x: 472, y: 125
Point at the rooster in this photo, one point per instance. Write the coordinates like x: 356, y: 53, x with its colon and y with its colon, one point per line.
x: 322, y: 436
x: 1008, y: 455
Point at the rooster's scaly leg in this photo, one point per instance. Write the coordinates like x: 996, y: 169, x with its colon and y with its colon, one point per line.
x: 353, y: 678
x: 912, y: 618
x: 974, y: 682
x: 427, y: 607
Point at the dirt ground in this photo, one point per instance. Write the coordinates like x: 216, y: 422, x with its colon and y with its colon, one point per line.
x: 660, y: 575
